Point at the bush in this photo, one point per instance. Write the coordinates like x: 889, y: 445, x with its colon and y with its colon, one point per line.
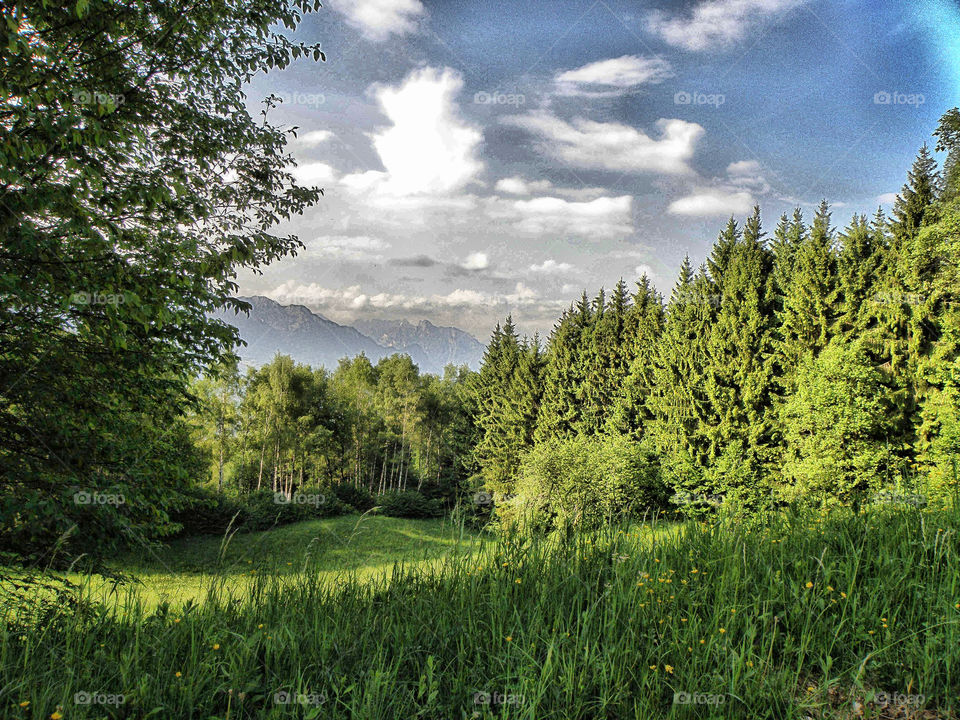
x: 837, y: 428
x: 409, y: 504
x: 207, y: 513
x: 584, y: 480
x: 356, y: 497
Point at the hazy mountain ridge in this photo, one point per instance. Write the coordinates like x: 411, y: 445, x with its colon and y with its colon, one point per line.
x: 440, y: 345
x: 313, y: 339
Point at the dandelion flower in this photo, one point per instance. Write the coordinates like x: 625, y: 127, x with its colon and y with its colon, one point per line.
x: 722, y: 630
x: 518, y: 581
x: 509, y: 638
x: 216, y: 646
x: 25, y: 703
x: 809, y: 584
x: 56, y: 715
x: 178, y: 674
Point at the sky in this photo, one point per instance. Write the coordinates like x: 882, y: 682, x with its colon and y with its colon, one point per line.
x: 486, y: 158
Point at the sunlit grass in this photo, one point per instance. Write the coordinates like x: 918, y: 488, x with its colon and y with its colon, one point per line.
x: 802, y: 617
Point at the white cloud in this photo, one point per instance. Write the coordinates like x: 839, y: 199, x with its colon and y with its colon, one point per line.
x: 476, y: 261
x: 428, y: 149
x: 713, y: 202
x: 519, y: 186
x: 733, y: 195
x: 379, y: 19
x: 612, y: 77
x: 551, y: 267
x: 314, y: 138
x: 612, y: 146
x: 885, y: 199
x: 641, y: 270
x: 311, y: 173
x: 353, y: 298
x: 716, y: 23
x: 605, y: 217
x: 743, y: 168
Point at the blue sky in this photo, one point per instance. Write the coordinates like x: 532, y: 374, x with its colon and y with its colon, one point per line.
x: 483, y: 158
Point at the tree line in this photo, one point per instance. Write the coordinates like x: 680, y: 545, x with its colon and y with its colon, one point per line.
x: 813, y: 364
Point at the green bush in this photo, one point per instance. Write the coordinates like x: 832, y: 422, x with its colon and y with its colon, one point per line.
x: 584, y: 480
x: 208, y: 513
x: 356, y: 497
x: 409, y: 504
x: 837, y: 429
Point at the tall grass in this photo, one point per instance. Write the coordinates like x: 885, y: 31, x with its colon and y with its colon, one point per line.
x: 804, y: 616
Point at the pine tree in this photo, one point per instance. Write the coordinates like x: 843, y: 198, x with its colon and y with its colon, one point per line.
x: 644, y: 327
x: 858, y: 264
x: 677, y: 402
x: 809, y: 308
x: 737, y: 381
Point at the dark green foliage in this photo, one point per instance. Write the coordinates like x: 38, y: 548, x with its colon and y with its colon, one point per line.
x: 409, y: 504
x: 134, y: 186
x: 356, y: 497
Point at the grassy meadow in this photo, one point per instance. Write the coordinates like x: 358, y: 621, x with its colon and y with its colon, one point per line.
x: 836, y: 615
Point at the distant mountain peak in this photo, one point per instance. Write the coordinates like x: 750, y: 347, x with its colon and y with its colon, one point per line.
x: 311, y: 338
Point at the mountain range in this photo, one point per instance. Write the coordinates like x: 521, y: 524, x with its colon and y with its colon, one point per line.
x: 313, y: 339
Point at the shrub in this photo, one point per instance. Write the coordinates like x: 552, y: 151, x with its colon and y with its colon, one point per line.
x: 836, y: 428
x: 585, y: 480
x: 207, y: 513
x: 356, y: 497
x: 409, y: 504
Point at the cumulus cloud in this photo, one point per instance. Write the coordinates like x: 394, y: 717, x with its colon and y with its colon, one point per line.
x: 713, y: 202
x: 476, y: 261
x: 379, y: 19
x: 613, y: 146
x: 314, y: 173
x: 716, y: 23
x: 551, y: 267
x: 519, y: 186
x: 736, y: 194
x: 886, y: 199
x: 605, y: 217
x: 428, y: 149
x: 314, y: 138
x: 616, y: 76
x: 354, y: 297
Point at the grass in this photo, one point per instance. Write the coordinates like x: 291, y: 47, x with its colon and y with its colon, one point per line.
x: 806, y: 616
